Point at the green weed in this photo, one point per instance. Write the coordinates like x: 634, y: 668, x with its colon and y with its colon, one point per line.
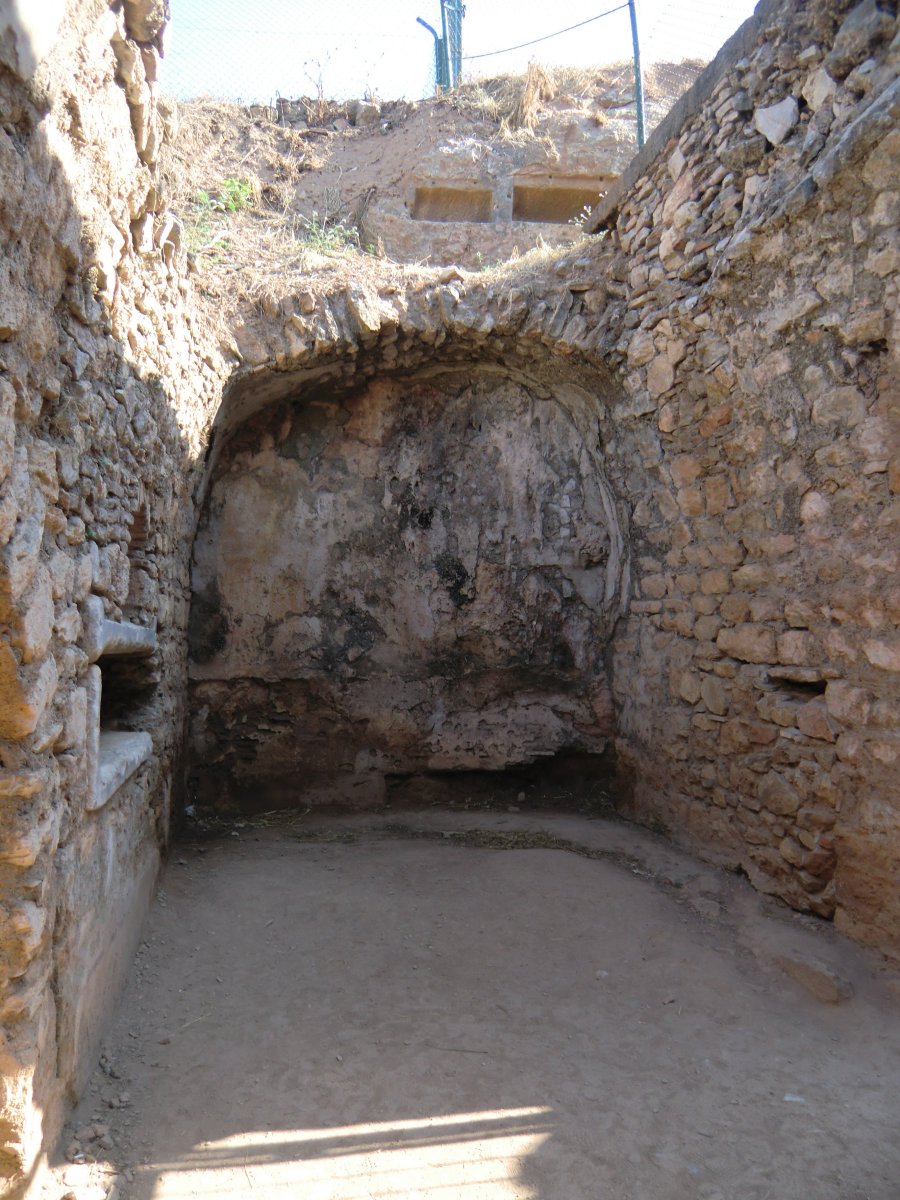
x: 328, y: 237
x: 204, y: 227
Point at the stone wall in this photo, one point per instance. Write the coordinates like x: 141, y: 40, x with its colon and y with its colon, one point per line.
x: 103, y: 390
x: 753, y: 317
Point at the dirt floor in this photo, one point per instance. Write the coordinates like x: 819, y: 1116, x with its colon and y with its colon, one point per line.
x: 486, y: 1006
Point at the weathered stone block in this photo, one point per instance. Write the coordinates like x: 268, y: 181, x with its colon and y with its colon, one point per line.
x: 798, y: 648
x: 818, y: 88
x: 813, y: 719
x: 777, y: 795
x: 684, y: 469
x: 714, y: 694
x: 715, y: 583
x: 24, y: 694
x: 748, y: 642
x: 883, y: 654
x: 776, y: 121
x: 848, y: 703
x: 846, y: 404
x: 660, y: 376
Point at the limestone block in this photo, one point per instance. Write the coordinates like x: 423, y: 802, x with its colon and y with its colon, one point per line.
x: 798, y: 648
x: 813, y: 719
x: 718, y: 495
x: 776, y: 121
x: 33, y: 628
x: 685, y: 214
x: 883, y: 654
x: 29, y: 35
x: 74, y: 730
x: 24, y: 694
x: 68, y: 624
x: 846, y: 404
x: 715, y: 583
x: 668, y: 418
x: 687, y: 686
x: 684, y: 469
x: 748, y: 642
x: 744, y: 153
x: 20, y: 556
x: 111, y: 577
x: 777, y: 795
x: 814, y: 507
x: 365, y: 309
x: 676, y: 162
x: 129, y: 67
x: 22, y: 929
x: 669, y: 249
x: 849, y: 704
x: 714, y: 694
x: 24, y: 839
x: 682, y: 191
x: 641, y: 348
x: 880, y: 168
x: 818, y: 88
x: 660, y: 376
x: 150, y: 63
x: 102, y: 636
x: 863, y: 327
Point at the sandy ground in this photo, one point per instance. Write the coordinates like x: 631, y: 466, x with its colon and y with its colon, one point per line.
x: 350, y: 1012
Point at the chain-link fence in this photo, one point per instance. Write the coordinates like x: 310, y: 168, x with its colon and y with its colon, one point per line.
x: 254, y: 51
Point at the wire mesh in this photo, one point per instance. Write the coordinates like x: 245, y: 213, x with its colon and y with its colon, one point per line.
x: 255, y: 51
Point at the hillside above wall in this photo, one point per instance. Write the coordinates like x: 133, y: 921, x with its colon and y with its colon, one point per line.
x: 488, y: 171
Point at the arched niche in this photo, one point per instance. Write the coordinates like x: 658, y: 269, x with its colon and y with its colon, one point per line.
x: 409, y: 578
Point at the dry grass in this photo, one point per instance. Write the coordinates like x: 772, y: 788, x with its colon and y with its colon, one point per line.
x: 516, y: 100
x: 522, y: 270
x: 537, y: 87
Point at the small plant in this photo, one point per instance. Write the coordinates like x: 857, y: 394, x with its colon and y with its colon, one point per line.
x: 204, y: 231
x: 582, y: 217
x: 234, y: 195
x: 328, y: 237
x: 230, y: 197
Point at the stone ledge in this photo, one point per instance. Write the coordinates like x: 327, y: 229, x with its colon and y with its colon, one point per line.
x: 119, y: 756
x: 102, y: 636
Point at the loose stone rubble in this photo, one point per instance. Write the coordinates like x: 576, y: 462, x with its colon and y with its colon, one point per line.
x: 736, y: 331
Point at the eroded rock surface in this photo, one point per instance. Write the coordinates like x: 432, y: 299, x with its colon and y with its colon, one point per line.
x: 422, y: 576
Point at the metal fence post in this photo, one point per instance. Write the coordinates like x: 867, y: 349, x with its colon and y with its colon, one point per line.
x: 455, y: 12
x: 638, y: 74
x: 440, y: 57
x: 445, y: 47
